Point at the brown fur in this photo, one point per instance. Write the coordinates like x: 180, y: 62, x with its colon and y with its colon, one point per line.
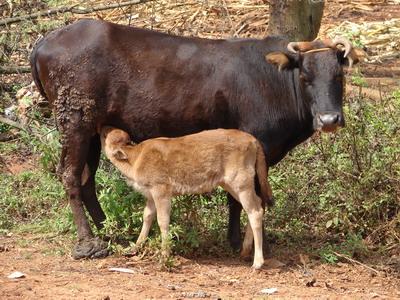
x: 162, y: 168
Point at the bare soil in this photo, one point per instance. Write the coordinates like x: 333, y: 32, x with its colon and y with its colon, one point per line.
x: 49, y: 275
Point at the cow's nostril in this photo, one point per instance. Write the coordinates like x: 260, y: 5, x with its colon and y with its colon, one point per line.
x: 329, y: 119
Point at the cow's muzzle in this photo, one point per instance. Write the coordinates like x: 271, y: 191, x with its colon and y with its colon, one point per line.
x: 329, y: 122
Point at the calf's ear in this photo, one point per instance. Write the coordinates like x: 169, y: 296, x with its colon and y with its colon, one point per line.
x: 280, y: 60
x: 119, y: 154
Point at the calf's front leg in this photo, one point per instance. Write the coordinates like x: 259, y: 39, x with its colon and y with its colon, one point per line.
x: 148, y: 217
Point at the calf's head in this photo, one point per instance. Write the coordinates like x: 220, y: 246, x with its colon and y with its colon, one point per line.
x: 113, y: 141
x: 320, y: 77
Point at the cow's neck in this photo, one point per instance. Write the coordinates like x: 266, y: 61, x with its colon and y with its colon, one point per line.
x: 298, y: 125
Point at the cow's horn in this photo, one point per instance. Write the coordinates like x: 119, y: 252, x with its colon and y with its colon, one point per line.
x: 339, y: 40
x: 293, y: 47
x: 300, y: 46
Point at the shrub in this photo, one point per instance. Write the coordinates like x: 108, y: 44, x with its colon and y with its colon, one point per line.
x: 347, y: 183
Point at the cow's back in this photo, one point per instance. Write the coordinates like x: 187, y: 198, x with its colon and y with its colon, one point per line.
x: 152, y: 84
x: 146, y: 82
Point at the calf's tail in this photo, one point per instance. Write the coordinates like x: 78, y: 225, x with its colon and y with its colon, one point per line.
x: 262, y: 175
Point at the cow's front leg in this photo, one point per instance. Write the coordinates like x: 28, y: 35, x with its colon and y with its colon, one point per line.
x: 76, y: 151
x: 234, y: 232
x: 89, y: 196
x: 234, y: 235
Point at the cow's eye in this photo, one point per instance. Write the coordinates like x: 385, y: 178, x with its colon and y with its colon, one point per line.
x: 305, y: 79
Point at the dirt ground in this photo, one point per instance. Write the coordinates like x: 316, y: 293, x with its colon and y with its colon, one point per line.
x: 49, y: 275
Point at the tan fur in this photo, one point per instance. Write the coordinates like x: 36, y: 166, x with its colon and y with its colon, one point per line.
x: 278, y: 59
x: 162, y: 168
x: 262, y: 175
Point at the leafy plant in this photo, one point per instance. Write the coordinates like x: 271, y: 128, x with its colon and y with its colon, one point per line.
x: 345, y: 184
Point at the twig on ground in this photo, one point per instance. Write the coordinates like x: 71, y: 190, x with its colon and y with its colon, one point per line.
x: 356, y: 262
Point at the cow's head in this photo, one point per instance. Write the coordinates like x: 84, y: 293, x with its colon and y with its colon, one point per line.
x: 320, y: 76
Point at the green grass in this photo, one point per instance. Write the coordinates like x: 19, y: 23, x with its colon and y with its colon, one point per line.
x: 33, y: 201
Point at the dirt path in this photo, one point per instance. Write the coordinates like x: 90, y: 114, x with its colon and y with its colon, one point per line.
x: 54, y: 276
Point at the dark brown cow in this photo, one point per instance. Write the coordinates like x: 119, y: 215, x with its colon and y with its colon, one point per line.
x: 152, y: 84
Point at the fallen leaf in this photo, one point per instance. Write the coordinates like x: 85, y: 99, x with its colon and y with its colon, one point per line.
x: 16, y: 275
x: 304, y: 259
x: 122, y: 270
x: 273, y: 263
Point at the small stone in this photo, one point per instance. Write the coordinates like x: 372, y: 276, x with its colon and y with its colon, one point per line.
x: 198, y: 294
x: 269, y: 291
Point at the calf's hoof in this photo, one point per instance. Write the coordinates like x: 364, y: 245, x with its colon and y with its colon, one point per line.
x: 90, y: 248
x: 257, y: 265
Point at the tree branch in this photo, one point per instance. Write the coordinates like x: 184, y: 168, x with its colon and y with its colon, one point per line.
x: 71, y: 9
x: 15, y: 70
x: 12, y: 123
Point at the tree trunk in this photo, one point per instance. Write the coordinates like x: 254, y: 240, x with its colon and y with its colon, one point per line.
x: 299, y: 20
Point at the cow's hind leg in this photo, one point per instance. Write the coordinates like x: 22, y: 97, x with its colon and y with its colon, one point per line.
x: 76, y: 148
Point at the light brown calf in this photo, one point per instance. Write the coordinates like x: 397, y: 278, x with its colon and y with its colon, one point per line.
x: 162, y: 168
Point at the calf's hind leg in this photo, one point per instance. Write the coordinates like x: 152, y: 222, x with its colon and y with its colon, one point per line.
x: 163, y: 206
x: 252, y: 205
x: 234, y: 232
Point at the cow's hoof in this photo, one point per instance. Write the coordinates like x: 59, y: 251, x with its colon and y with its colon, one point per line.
x: 90, y: 248
x: 236, y: 244
x: 246, y: 256
x: 266, y: 248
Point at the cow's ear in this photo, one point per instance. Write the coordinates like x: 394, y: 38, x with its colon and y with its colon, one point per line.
x: 280, y: 60
x: 120, y: 154
x: 355, y: 55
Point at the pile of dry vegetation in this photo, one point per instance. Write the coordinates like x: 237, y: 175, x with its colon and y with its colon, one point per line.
x: 203, y: 18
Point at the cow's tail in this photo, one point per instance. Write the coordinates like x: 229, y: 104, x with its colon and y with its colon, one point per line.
x: 262, y: 175
x: 34, y: 68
